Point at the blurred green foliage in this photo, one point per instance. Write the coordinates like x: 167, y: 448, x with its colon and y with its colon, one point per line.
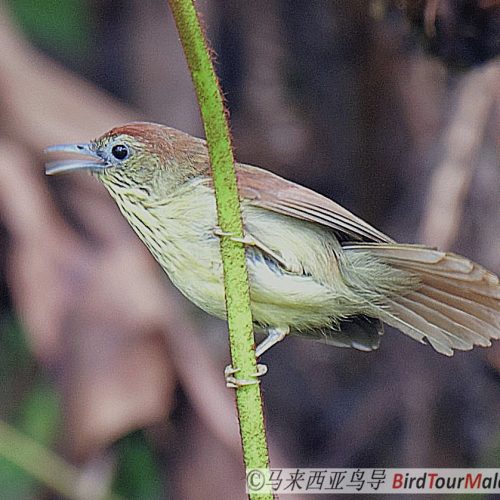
x: 26, y: 399
x: 138, y: 476
x: 62, y: 27
x: 32, y: 404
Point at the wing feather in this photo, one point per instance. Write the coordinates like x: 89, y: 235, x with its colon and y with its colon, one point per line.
x: 267, y: 190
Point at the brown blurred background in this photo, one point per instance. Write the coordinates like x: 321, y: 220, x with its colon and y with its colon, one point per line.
x: 392, y: 109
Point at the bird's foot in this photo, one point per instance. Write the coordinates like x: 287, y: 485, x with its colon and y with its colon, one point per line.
x: 250, y: 241
x: 246, y: 240
x: 234, y: 383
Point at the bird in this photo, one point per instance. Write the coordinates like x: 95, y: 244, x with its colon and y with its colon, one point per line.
x: 315, y: 269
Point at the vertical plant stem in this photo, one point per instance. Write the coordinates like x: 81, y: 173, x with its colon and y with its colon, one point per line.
x: 239, y: 316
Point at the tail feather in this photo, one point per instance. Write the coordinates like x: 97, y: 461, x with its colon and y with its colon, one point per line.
x: 470, y: 326
x: 412, y: 320
x: 480, y: 317
x: 440, y: 326
x: 456, y: 304
x: 478, y: 305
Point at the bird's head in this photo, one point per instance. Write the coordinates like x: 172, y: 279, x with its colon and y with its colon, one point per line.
x: 138, y: 155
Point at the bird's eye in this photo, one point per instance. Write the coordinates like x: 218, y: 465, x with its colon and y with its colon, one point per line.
x: 120, y: 151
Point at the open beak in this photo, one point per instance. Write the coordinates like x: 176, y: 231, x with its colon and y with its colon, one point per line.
x: 90, y: 160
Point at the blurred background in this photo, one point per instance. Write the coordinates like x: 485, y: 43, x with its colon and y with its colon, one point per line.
x: 390, y: 108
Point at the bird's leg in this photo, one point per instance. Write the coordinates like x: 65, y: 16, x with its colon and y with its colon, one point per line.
x: 249, y: 240
x: 274, y: 335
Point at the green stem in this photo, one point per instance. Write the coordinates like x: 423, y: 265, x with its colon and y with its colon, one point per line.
x: 239, y: 315
x: 46, y: 466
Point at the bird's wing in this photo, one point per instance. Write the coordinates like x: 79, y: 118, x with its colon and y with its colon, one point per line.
x: 267, y: 190
x: 360, y: 332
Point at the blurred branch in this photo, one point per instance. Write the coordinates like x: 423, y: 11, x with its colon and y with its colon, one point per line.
x: 102, y: 343
x: 451, y: 180
x: 39, y: 97
x: 49, y: 468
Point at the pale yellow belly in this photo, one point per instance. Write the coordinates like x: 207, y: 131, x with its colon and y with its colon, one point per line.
x: 187, y: 249
x: 278, y: 298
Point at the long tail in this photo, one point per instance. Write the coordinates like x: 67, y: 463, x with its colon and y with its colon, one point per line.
x: 455, y: 306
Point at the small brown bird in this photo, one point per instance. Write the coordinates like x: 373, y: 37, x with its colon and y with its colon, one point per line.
x: 315, y: 269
